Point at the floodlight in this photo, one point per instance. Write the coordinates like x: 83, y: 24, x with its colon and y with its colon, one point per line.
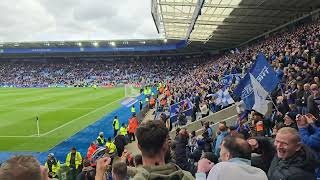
x: 112, y: 43
x: 95, y: 44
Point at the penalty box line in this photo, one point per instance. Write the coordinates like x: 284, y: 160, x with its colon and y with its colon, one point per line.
x: 102, y: 107
x: 41, y: 135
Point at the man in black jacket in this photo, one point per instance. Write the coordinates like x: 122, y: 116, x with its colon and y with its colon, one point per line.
x: 314, y: 101
x: 120, y: 142
x: 181, y: 150
x: 293, y: 161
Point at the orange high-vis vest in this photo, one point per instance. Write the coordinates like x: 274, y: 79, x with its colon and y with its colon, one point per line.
x: 161, y: 90
x: 152, y: 101
x: 259, y: 126
x: 90, y: 152
x: 168, y: 93
x: 163, y: 102
x: 133, y: 125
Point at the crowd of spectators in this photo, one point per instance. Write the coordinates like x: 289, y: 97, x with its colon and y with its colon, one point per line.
x: 283, y: 145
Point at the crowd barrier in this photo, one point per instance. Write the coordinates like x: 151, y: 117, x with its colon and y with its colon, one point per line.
x: 228, y: 114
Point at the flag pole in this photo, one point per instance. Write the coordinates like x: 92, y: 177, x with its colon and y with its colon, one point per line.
x: 275, y: 106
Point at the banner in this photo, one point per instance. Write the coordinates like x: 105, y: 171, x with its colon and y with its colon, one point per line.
x: 260, y: 95
x: 264, y: 74
x: 184, y: 106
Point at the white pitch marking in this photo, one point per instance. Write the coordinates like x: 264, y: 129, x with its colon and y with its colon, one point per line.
x: 78, y: 118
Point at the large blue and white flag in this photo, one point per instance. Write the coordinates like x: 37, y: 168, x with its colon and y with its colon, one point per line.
x: 260, y: 94
x: 265, y: 76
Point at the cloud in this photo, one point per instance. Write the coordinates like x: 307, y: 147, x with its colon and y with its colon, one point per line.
x: 50, y: 20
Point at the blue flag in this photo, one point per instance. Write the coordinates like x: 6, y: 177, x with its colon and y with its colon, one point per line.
x: 264, y: 74
x: 228, y: 79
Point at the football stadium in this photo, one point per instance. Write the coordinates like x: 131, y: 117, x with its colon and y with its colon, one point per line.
x: 160, y: 89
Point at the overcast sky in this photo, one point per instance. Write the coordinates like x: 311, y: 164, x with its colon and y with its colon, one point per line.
x: 50, y: 20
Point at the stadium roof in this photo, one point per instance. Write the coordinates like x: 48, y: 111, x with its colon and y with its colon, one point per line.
x: 225, y: 23
x: 85, y: 43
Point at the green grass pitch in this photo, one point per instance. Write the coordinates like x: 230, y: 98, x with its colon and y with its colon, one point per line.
x: 62, y: 112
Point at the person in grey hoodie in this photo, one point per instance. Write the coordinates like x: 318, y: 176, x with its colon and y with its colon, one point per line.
x: 235, y: 155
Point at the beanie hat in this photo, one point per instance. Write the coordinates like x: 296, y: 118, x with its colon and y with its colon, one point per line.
x: 291, y: 115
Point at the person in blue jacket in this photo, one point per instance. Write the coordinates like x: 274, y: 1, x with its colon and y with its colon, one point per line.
x: 309, y: 129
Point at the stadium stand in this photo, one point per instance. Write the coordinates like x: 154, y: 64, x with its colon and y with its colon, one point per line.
x: 283, y: 144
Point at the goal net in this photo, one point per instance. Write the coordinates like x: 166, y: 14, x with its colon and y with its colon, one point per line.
x: 132, y: 90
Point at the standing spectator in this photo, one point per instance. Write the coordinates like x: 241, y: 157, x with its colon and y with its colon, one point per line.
x: 53, y: 166
x: 153, y: 143
x: 208, y: 142
x: 140, y: 105
x: 133, y: 110
x: 73, y: 161
x: 292, y: 93
x: 120, y: 142
x: 119, y: 171
x: 314, y: 101
x: 306, y: 94
x: 208, y: 129
x: 87, y: 172
x: 115, y: 125
x: 137, y: 160
x: 299, y: 98
x: 263, y: 152
x: 310, y: 133
x: 101, y: 140
x: 197, y: 101
x: 204, y: 110
x: 194, y: 113
x: 23, y: 167
x: 181, y: 150
x: 91, y: 150
x: 293, y: 160
x: 111, y: 147
x: 223, y: 133
x: 124, y: 131
x: 192, y: 140
x: 289, y: 120
x: 282, y: 105
x: 132, y: 126
x: 235, y: 155
x: 258, y: 124
x: 197, y: 152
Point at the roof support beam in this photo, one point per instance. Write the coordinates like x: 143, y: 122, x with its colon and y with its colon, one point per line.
x: 226, y: 40
x: 282, y: 17
x: 229, y: 38
x: 267, y: 8
x: 217, y: 23
x: 229, y: 30
x: 196, y: 13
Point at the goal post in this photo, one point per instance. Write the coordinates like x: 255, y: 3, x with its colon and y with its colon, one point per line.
x: 132, y: 90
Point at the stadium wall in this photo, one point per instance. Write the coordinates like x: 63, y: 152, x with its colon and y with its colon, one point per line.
x: 146, y: 48
x: 228, y: 114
